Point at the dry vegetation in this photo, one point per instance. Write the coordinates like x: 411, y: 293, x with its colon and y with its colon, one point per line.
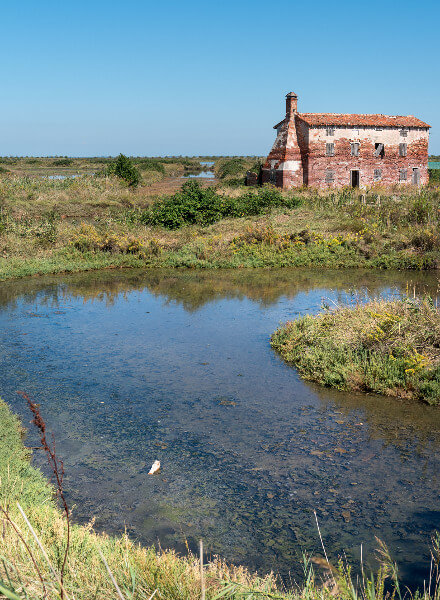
x: 89, y: 222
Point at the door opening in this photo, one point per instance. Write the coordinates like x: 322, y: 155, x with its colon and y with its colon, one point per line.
x: 416, y: 176
x: 354, y: 179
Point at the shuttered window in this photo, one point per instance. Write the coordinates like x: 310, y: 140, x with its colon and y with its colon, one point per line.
x: 404, y: 132
x: 329, y: 176
x: 329, y: 149
x: 330, y: 131
x: 402, y: 149
x: 354, y: 148
x: 402, y: 175
x: 377, y: 174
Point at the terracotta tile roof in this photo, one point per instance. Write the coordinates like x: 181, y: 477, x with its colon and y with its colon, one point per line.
x: 317, y: 119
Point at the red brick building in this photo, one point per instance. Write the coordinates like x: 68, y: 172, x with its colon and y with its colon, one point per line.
x: 337, y: 150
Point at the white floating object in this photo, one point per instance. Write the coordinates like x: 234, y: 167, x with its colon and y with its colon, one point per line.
x: 155, y: 468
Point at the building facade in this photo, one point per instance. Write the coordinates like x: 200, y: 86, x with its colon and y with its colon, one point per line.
x: 337, y: 150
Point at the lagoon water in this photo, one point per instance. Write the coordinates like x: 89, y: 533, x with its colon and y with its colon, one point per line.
x: 134, y: 366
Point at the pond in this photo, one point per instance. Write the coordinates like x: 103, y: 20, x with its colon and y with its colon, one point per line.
x: 134, y: 366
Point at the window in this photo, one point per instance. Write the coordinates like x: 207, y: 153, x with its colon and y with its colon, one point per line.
x: 402, y: 149
x: 404, y: 132
x: 329, y: 149
x: 402, y: 175
x: 330, y: 131
x: 354, y: 148
x: 273, y: 177
x: 379, y: 128
x: 377, y: 174
x: 329, y: 176
x: 379, y: 150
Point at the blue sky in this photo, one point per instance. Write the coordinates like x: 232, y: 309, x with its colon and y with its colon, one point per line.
x: 156, y: 78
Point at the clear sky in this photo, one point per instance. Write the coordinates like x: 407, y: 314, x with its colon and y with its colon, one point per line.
x: 197, y: 77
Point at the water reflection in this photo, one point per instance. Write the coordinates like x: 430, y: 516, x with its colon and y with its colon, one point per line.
x: 133, y: 366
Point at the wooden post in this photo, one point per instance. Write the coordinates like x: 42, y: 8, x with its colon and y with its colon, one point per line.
x: 202, y: 575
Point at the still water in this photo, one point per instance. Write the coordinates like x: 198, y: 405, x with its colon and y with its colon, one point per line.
x: 134, y: 366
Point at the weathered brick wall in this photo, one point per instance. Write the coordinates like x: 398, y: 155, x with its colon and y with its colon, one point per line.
x: 343, y: 162
x: 284, y: 165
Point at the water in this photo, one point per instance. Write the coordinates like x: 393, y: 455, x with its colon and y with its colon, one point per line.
x: 133, y: 366
x: 201, y: 175
x: 433, y: 165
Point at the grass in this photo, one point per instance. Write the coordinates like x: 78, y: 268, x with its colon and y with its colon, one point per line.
x: 387, y: 347
x: 52, y: 226
x: 101, y: 567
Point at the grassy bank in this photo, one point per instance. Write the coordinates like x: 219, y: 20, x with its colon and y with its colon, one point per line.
x: 388, y: 347
x: 52, y: 226
x: 102, y: 567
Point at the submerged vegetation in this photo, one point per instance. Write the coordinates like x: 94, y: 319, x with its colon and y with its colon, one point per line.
x: 387, y: 347
x: 44, y: 555
x: 95, y: 221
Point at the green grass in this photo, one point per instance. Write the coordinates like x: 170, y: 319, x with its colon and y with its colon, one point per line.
x: 387, y: 347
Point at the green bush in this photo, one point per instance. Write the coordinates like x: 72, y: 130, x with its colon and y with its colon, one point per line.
x: 434, y: 176
x: 231, y: 168
x: 196, y: 205
x: 62, y: 162
x: 151, y: 164
x: 123, y: 168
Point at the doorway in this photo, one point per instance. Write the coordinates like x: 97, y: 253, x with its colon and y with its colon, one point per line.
x: 416, y: 176
x: 354, y: 179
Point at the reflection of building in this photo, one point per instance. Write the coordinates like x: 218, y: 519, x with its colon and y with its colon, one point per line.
x: 336, y: 150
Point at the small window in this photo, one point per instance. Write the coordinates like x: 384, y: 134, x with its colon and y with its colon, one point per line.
x: 273, y: 177
x: 404, y: 132
x: 354, y: 148
x: 379, y: 150
x: 329, y: 176
x: 379, y: 128
x: 377, y: 174
x: 329, y: 149
x: 330, y: 131
x: 402, y: 175
x: 402, y: 149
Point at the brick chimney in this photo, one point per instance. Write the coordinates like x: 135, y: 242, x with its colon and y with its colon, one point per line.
x: 291, y: 104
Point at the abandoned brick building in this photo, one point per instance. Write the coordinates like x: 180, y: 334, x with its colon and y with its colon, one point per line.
x: 337, y: 150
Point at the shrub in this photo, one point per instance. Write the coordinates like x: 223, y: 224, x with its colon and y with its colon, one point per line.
x: 196, y: 205
x: 62, y: 162
x: 151, y: 164
x: 231, y: 168
x: 123, y: 168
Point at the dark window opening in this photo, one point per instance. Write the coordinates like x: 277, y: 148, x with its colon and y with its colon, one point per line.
x: 329, y: 176
x: 354, y: 179
x: 402, y: 175
x: 402, y: 149
x: 404, y: 132
x: 330, y: 131
x: 354, y: 148
x: 273, y: 176
x: 329, y: 149
x: 377, y: 174
x: 379, y: 150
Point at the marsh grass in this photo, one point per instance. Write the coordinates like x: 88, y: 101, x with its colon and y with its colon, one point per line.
x: 390, y: 347
x: 211, y: 227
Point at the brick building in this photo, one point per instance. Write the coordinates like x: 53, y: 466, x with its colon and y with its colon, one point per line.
x: 337, y: 150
